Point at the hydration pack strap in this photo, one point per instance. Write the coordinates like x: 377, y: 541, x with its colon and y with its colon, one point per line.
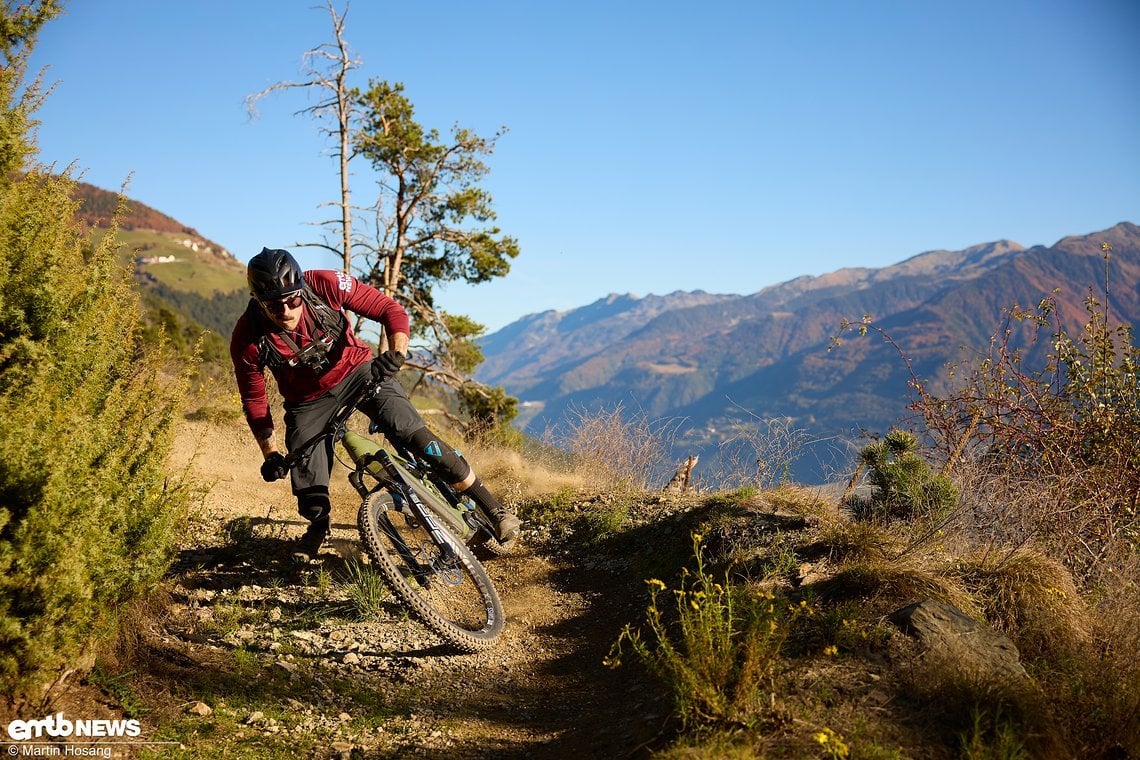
x: 327, y: 326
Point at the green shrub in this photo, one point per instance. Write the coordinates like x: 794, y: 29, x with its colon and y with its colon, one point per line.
x: 718, y: 647
x: 87, y: 509
x: 904, y: 485
x: 366, y: 590
x: 598, y: 523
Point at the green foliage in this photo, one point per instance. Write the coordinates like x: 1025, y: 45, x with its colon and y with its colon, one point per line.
x: 432, y: 187
x: 601, y: 522
x: 438, y: 227
x: 463, y: 331
x: 87, y: 510
x: 165, y: 321
x: 431, y: 222
x: 988, y: 718
x: 832, y: 744
x: 736, y: 497
x: 119, y: 688
x: 991, y: 738
x: 366, y: 590
x: 487, y: 408
x: 718, y: 646
x: 904, y: 485
x: 20, y: 22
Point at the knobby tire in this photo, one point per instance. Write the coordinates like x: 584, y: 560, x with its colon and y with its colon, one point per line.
x: 455, y: 599
x: 490, y: 547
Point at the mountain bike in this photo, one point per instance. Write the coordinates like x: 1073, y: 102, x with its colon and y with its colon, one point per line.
x: 416, y: 530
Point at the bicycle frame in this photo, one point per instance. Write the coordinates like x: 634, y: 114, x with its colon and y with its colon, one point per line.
x: 406, y: 526
x: 404, y: 475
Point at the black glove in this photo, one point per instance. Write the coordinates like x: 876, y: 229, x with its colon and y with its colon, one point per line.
x: 274, y: 467
x: 386, y: 365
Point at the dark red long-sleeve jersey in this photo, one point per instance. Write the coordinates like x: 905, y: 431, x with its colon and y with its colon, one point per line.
x: 340, y: 291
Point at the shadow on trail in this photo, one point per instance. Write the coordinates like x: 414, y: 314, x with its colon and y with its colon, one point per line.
x: 575, y: 705
x: 245, y: 557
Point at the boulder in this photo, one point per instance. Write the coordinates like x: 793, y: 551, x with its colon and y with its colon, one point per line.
x: 951, y: 634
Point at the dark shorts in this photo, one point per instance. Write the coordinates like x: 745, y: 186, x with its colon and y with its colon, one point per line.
x: 392, y: 412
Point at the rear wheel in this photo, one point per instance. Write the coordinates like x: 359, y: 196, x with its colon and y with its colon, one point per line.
x: 481, y: 539
x: 446, y: 589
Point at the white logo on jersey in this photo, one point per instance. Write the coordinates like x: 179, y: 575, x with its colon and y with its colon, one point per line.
x: 344, y: 281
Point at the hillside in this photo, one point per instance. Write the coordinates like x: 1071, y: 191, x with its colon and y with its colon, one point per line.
x: 805, y: 630
x: 98, y: 208
x: 249, y: 655
x: 726, y: 362
x: 174, y: 265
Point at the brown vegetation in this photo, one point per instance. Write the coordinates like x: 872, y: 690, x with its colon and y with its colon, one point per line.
x: 98, y: 208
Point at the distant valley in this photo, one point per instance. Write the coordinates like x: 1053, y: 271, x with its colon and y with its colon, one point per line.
x: 719, y: 364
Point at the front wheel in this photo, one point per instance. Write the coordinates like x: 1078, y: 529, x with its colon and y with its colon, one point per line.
x: 448, y: 590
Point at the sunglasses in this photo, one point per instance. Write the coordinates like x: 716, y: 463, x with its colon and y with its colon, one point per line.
x: 291, y: 302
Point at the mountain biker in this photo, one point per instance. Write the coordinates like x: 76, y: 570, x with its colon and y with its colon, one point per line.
x: 296, y: 326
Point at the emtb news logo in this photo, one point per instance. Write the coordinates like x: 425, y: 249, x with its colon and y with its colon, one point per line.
x: 56, y: 726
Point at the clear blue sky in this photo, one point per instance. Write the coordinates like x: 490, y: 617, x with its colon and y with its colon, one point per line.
x: 653, y: 146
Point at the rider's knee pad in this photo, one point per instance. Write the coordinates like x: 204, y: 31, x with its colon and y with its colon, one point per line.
x: 443, y: 460
x: 313, y: 503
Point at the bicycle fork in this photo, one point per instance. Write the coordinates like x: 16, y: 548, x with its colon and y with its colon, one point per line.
x: 418, y: 508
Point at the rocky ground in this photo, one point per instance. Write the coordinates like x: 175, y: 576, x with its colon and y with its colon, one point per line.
x: 251, y: 655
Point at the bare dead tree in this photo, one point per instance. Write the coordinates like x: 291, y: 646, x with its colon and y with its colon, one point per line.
x: 327, y: 67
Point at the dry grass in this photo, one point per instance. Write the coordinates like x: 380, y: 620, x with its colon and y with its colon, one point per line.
x: 797, y: 500
x: 1096, y: 691
x: 857, y: 541
x: 1029, y: 597
x: 1078, y: 632
x: 760, y: 453
x: 616, y: 451
x: 985, y: 716
x: 1063, y: 517
x: 887, y: 585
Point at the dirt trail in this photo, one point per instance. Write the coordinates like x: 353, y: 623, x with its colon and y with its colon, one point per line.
x: 542, y: 692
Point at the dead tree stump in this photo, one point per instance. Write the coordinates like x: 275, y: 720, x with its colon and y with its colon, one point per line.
x: 679, y: 483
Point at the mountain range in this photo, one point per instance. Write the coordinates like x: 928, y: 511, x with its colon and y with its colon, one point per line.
x: 718, y: 364
x: 722, y: 364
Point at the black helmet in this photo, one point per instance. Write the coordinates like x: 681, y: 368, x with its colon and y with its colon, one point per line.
x: 273, y: 273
